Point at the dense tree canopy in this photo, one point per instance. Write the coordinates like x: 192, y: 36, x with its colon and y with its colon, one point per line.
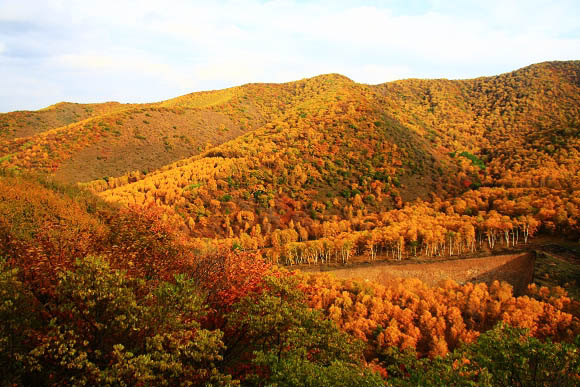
x: 164, y: 266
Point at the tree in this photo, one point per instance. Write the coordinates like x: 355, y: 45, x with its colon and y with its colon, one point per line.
x: 102, y: 327
x: 514, y: 358
x: 503, y: 356
x: 290, y: 344
x: 19, y: 315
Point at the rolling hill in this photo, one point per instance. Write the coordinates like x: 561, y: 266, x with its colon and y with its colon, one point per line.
x: 250, y: 160
x: 145, y: 244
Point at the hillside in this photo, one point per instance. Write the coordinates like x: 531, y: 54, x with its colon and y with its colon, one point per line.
x: 150, y: 244
x: 94, y: 294
x: 313, y: 160
x: 328, y: 153
x: 510, y: 111
x: 351, y: 152
x: 134, y: 137
x: 524, y: 125
x: 29, y: 123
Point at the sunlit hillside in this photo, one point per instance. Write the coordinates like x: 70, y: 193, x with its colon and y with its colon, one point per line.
x: 151, y: 244
x: 524, y: 125
x: 342, y: 155
x: 95, y: 293
x: 135, y: 137
x: 28, y: 123
x: 327, y: 153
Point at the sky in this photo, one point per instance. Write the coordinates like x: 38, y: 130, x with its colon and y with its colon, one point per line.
x: 151, y: 50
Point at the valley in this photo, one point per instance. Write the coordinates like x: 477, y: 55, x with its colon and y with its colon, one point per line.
x: 159, y: 243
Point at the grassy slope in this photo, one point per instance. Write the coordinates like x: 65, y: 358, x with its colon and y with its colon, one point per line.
x: 29, y: 123
x: 141, y: 137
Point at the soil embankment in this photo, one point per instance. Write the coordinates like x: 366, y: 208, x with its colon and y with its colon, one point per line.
x: 517, y: 269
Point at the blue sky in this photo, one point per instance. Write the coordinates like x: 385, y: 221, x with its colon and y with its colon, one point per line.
x: 145, y: 51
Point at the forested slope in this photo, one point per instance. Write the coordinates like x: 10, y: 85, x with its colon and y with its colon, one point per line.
x: 493, y: 160
x: 124, y: 138
x: 524, y: 125
x: 165, y: 265
x: 96, y: 294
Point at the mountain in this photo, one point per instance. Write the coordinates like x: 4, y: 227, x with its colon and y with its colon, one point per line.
x: 518, y: 122
x: 261, y: 157
x: 146, y: 243
x: 119, y: 140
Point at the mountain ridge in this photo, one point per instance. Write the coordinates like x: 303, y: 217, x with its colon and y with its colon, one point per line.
x: 320, y: 148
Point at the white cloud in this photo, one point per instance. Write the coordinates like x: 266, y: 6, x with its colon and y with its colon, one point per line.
x: 374, y: 74
x: 124, y: 64
x: 230, y: 70
x: 85, y: 61
x: 155, y: 51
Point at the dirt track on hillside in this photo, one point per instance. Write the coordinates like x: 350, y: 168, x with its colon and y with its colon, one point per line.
x: 517, y: 269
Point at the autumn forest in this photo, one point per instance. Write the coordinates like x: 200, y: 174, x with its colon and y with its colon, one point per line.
x: 193, y: 241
